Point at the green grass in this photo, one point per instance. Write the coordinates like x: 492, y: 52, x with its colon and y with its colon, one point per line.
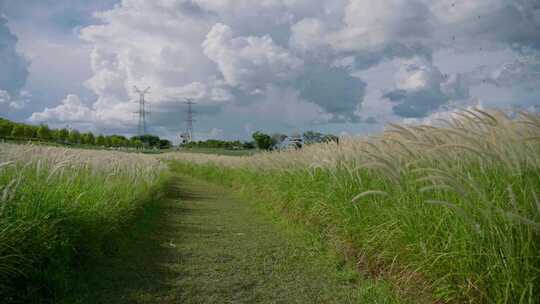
x: 38, y: 142
x: 219, y: 151
x: 467, y: 250
x: 200, y: 245
x: 54, y: 216
x: 452, y: 209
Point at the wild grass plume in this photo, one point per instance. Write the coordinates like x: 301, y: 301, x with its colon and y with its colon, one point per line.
x: 451, y: 208
x: 59, y: 206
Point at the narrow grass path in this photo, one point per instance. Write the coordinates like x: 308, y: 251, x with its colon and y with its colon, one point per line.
x: 200, y: 245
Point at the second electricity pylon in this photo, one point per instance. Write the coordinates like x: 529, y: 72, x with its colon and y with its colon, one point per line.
x: 189, y: 119
x: 142, y: 110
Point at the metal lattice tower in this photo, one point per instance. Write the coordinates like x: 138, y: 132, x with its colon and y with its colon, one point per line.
x: 142, y: 110
x: 189, y: 119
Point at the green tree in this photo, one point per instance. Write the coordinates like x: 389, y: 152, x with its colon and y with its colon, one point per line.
x: 29, y: 132
x: 6, y: 127
x: 148, y: 140
x: 18, y: 131
x: 108, y: 141
x: 164, y: 144
x: 44, y: 133
x: 116, y: 140
x: 136, y: 143
x: 263, y: 141
x: 88, y: 138
x: 311, y: 137
x: 248, y: 145
x: 278, y: 138
x: 100, y: 141
x: 74, y: 137
x: 62, y: 135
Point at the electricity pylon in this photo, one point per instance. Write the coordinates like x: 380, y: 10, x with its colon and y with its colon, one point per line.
x: 142, y: 110
x: 189, y: 119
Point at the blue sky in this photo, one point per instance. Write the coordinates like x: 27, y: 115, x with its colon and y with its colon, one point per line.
x: 340, y: 66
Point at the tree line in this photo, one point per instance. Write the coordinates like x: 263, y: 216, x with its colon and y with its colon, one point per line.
x: 10, y: 130
x: 264, y: 141
x: 220, y: 144
x: 271, y: 142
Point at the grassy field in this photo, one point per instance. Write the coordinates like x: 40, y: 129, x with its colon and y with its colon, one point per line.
x: 81, y: 226
x: 447, y: 213
x: 452, y: 210
x: 60, y: 207
x: 201, y: 245
x: 219, y: 151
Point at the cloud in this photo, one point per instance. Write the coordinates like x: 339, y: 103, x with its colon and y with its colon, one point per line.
x: 522, y: 71
x: 14, y: 67
x: 373, y: 25
x: 8, y: 103
x: 249, y: 62
x: 309, y: 34
x: 459, y: 24
x: 421, y: 88
x: 206, y: 50
x: 74, y: 112
x: 305, y: 62
x: 71, y: 110
x: 333, y: 89
x: 214, y: 133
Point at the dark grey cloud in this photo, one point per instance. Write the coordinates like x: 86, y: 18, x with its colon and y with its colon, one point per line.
x: 416, y: 104
x: 13, y: 73
x: 14, y: 67
x: 422, y: 89
x: 517, y: 23
x: 367, y: 59
x: 190, y: 7
x: 62, y: 15
x: 333, y: 89
x: 371, y: 120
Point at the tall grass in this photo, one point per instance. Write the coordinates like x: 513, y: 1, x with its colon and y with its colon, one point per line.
x: 451, y: 209
x: 59, y: 207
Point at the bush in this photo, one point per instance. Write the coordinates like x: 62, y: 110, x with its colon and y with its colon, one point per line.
x: 263, y: 141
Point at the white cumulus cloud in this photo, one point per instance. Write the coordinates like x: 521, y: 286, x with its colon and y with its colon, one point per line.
x: 305, y: 62
x: 249, y: 62
x: 70, y: 110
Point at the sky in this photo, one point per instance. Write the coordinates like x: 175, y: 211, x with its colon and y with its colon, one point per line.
x: 346, y: 67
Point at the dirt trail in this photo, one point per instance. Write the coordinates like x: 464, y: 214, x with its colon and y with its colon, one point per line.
x: 201, y: 246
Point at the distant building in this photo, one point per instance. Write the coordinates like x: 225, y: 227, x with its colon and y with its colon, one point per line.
x: 291, y: 142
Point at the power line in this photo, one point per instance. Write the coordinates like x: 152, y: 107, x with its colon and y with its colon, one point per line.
x: 142, y: 110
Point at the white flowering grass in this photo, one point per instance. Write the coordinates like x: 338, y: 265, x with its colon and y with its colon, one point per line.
x: 58, y: 206
x: 451, y: 209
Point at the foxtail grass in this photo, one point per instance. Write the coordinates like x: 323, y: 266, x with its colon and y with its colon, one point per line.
x: 449, y: 209
x: 60, y: 207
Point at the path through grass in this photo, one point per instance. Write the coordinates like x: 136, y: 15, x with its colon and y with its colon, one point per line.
x: 202, y: 246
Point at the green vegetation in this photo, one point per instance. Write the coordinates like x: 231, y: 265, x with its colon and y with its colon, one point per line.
x: 58, y: 208
x: 267, y: 142
x: 219, y: 144
x: 264, y: 141
x: 426, y: 214
x: 18, y: 132
x: 453, y: 211
x: 199, y: 245
x: 312, y: 137
x: 220, y: 151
